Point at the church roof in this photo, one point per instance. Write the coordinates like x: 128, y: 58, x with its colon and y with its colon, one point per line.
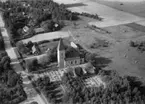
x: 72, y: 53
x: 61, y: 45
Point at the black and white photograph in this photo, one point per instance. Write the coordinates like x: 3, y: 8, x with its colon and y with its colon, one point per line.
x: 72, y: 51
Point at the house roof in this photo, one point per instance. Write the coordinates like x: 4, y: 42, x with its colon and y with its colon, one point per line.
x: 25, y: 28
x: 61, y: 45
x: 72, y: 53
x: 34, y: 49
x: 73, y: 58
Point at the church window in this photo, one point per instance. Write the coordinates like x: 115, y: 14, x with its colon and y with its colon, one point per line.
x: 75, y: 62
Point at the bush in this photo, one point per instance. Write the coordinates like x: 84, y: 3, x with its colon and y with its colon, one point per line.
x: 22, y: 48
x: 42, y: 42
x: 139, y: 45
x: 119, y: 90
x: 79, y: 71
x: 32, y: 65
x: 1, y: 42
x: 133, y: 44
x: 29, y: 45
x: 11, y: 89
x: 90, y: 57
x: 13, y: 79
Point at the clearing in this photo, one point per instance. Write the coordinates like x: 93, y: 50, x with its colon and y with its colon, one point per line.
x: 47, y: 36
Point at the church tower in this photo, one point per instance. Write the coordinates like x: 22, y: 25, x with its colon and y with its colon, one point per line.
x: 61, y: 54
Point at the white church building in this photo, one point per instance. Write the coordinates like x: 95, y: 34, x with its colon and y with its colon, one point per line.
x: 67, y: 60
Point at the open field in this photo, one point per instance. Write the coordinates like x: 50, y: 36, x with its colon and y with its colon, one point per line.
x: 122, y: 26
x: 111, y: 17
x: 135, y: 7
x: 126, y: 60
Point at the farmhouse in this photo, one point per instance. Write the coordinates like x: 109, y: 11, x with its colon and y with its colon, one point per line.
x: 70, y: 59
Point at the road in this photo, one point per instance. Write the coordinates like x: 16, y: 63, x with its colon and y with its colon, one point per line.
x: 33, y: 96
x: 47, y: 36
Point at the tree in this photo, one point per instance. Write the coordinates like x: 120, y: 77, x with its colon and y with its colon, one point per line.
x: 30, y: 44
x: 21, y: 47
x: 32, y: 65
x: 5, y: 62
x: 1, y: 42
x: 52, y: 54
x: 6, y: 65
x: 90, y: 57
x: 2, y: 54
x: 12, y: 78
x: 79, y: 71
x: 132, y: 44
x: 89, y: 68
x: 31, y: 31
x: 35, y: 62
x: 1, y: 68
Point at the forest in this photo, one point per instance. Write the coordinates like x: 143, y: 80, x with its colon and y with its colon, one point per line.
x: 119, y: 90
x: 11, y: 86
x: 44, y: 14
x: 1, y: 42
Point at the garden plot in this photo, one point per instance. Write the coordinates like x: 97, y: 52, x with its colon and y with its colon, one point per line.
x: 47, y: 36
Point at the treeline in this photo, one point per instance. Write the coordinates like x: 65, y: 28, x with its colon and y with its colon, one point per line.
x: 2, y: 46
x: 11, y: 88
x: 45, y: 14
x: 51, y: 90
x: 139, y: 45
x: 119, y: 90
x: 94, y: 16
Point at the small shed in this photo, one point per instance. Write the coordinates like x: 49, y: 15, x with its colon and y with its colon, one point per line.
x: 25, y: 28
x: 73, y: 45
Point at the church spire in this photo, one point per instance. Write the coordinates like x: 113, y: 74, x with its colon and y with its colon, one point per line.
x: 60, y: 45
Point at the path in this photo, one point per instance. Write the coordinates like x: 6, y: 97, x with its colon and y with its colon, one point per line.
x: 11, y: 53
x: 47, y: 36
